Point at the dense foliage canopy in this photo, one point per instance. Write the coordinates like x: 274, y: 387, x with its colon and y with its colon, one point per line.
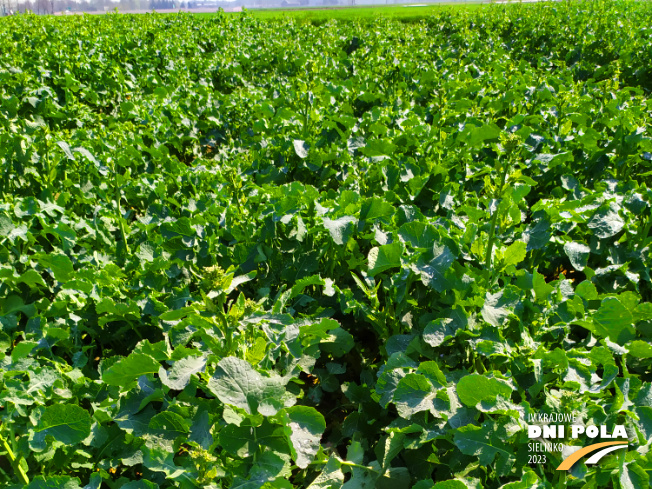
x: 251, y: 254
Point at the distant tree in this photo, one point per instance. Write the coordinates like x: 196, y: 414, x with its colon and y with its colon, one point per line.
x: 42, y: 7
x: 161, y: 4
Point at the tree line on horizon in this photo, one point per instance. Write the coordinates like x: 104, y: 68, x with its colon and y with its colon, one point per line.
x: 10, y: 7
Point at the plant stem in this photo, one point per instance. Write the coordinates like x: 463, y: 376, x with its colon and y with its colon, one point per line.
x: 306, y: 116
x: 15, y: 462
x: 117, y: 201
x: 646, y: 231
x: 48, y: 162
x: 352, y: 464
x: 494, y: 218
x: 346, y: 463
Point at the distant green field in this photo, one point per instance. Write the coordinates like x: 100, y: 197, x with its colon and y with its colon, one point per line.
x: 322, y: 14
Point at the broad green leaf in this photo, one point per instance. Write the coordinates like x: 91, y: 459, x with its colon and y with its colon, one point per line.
x: 553, y: 160
x: 587, y: 291
x: 301, y: 148
x: 438, y: 331
x: 640, y: 349
x: 480, y: 134
x: 541, y: 289
x: 235, y: 382
x: 141, y: 484
x: 387, y: 383
x: 383, y: 258
x: 32, y: 278
x: 578, y: 254
x: 6, y: 226
x: 66, y: 423
x: 394, y: 478
x: 432, y: 272
x: 112, y: 310
x: 257, y: 351
x: 418, y: 234
x: 378, y: 147
x: 200, y: 431
x: 86, y: 153
x: 392, y: 447
x: 146, y: 252
x: 528, y: 481
x: 497, y: 307
x: 515, y: 253
x: 474, y: 388
x: 238, y: 440
x: 340, y: 229
x: 178, y: 377
x: 414, y: 393
x: 127, y: 370
x: 239, y: 280
x: 304, y: 426
x: 330, y: 476
x: 433, y: 373
x: 95, y: 481
x: 537, y: 236
x: 170, y: 423
x: 161, y: 460
x: 54, y: 482
x: 633, y: 476
x: 243, y: 441
x: 66, y: 150
x: 268, y: 467
x: 5, y: 342
x: 481, y: 442
x: 136, y: 423
x: 22, y: 350
x: 159, y: 351
x: 363, y: 478
x: 614, y: 321
x: 643, y: 312
x: 606, y: 222
x: 644, y: 422
x: 15, y: 303
x: 451, y: 484
x: 59, y: 264
x: 338, y: 343
x: 301, y: 285
x: 376, y: 208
